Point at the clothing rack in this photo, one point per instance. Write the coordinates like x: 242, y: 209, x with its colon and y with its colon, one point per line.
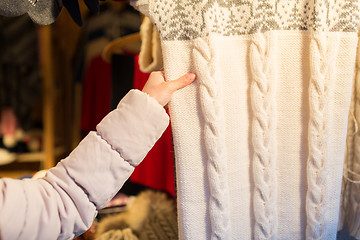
x: 57, y: 100
x: 48, y: 91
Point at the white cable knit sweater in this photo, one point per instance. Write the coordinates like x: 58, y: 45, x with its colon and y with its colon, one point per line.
x: 260, y: 138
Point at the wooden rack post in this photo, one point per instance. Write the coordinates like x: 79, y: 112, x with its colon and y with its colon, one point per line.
x: 46, y: 62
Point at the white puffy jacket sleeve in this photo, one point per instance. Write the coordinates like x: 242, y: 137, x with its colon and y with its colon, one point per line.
x: 64, y: 203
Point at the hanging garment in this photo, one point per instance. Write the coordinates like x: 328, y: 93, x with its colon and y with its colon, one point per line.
x: 150, y: 57
x: 260, y: 136
x: 157, y: 169
x: 100, y: 30
x: 122, y: 76
x: 96, y: 94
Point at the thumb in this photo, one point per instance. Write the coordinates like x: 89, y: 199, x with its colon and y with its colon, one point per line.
x: 181, y: 82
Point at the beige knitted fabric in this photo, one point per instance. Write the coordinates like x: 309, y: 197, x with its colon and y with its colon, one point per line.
x: 260, y: 136
x: 150, y: 57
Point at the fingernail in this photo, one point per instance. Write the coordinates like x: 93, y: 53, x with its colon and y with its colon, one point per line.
x: 192, y: 76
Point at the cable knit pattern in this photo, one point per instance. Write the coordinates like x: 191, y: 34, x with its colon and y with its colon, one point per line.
x: 263, y: 90
x: 211, y: 103
x: 323, y: 52
x: 273, y: 169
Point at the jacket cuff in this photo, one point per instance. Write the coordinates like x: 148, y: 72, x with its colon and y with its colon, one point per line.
x: 134, y: 126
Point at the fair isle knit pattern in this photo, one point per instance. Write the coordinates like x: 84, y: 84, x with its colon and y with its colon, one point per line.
x: 260, y: 136
x: 323, y: 53
x: 262, y: 91
x: 213, y: 130
x: 175, y: 18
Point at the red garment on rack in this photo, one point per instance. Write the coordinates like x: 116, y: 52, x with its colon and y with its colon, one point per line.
x: 96, y: 94
x: 157, y: 169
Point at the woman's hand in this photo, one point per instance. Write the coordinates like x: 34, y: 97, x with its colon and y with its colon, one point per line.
x: 158, y: 88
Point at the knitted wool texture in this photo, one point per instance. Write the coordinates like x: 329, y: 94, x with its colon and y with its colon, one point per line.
x: 260, y: 136
x: 323, y: 53
x: 211, y: 104
x: 262, y: 93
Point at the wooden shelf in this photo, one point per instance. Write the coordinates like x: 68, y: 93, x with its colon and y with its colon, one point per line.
x: 60, y: 131
x: 39, y: 156
x: 14, y: 170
